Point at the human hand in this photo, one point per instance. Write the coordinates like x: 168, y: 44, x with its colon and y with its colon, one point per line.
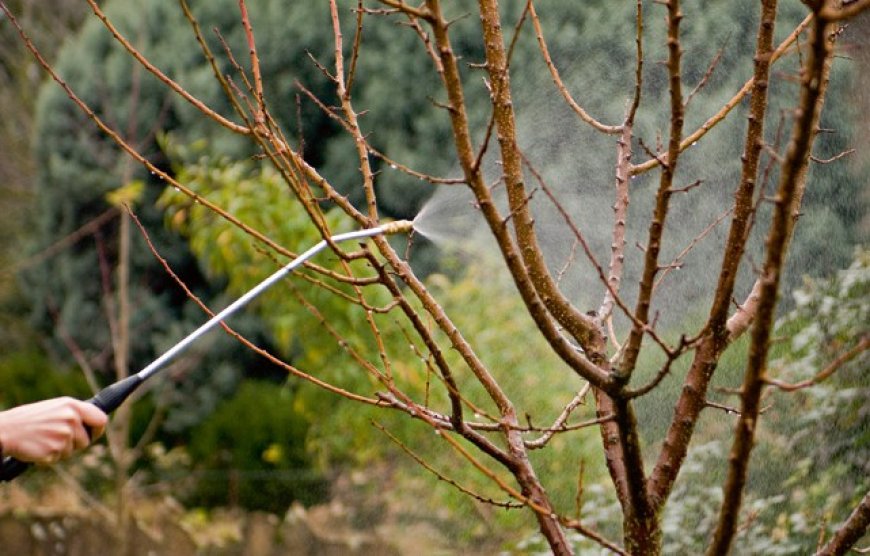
x: 47, y: 431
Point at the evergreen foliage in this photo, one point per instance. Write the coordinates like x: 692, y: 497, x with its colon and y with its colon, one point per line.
x: 249, y: 453
x: 78, y: 167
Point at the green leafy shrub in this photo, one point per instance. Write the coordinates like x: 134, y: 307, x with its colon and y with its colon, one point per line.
x: 28, y: 376
x: 251, y: 452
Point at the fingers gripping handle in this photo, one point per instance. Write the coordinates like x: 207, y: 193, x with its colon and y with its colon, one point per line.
x: 108, y: 399
x: 112, y: 396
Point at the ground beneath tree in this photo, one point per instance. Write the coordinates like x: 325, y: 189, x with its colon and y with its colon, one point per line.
x: 62, y: 519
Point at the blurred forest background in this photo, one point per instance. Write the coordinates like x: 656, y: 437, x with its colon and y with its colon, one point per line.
x: 224, y: 434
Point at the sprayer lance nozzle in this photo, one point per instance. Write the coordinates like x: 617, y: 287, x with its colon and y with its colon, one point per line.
x: 398, y: 227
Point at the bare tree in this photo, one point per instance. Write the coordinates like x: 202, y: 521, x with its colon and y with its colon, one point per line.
x: 586, y: 342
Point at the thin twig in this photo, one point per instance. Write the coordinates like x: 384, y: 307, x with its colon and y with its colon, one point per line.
x: 442, y: 477
x: 560, y: 85
x: 578, y: 498
x: 561, y: 419
x: 735, y: 101
x: 825, y: 373
x: 208, y: 112
x: 709, y: 73
x: 833, y: 158
x: 357, y: 41
x: 678, y: 260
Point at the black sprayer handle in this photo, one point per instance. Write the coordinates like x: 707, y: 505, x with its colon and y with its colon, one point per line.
x: 108, y: 399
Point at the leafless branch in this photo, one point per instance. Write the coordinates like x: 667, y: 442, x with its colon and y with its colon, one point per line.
x: 832, y: 367
x: 442, y: 477
x: 800, y: 147
x: 714, y: 120
x: 678, y: 260
x: 833, y: 158
x: 851, y: 531
x: 620, y: 215
x: 709, y: 73
x: 560, y: 85
x: 560, y: 421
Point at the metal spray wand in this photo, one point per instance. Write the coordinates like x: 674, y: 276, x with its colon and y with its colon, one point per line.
x: 109, y: 398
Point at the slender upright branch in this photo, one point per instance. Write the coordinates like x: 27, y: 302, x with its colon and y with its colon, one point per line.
x: 693, y: 396
x: 623, y: 175
x: 803, y: 133
x: 657, y: 226
x: 259, y: 118
x: 638, y: 65
x: 620, y: 214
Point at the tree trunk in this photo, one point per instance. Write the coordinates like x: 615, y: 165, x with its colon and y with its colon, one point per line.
x: 643, y: 535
